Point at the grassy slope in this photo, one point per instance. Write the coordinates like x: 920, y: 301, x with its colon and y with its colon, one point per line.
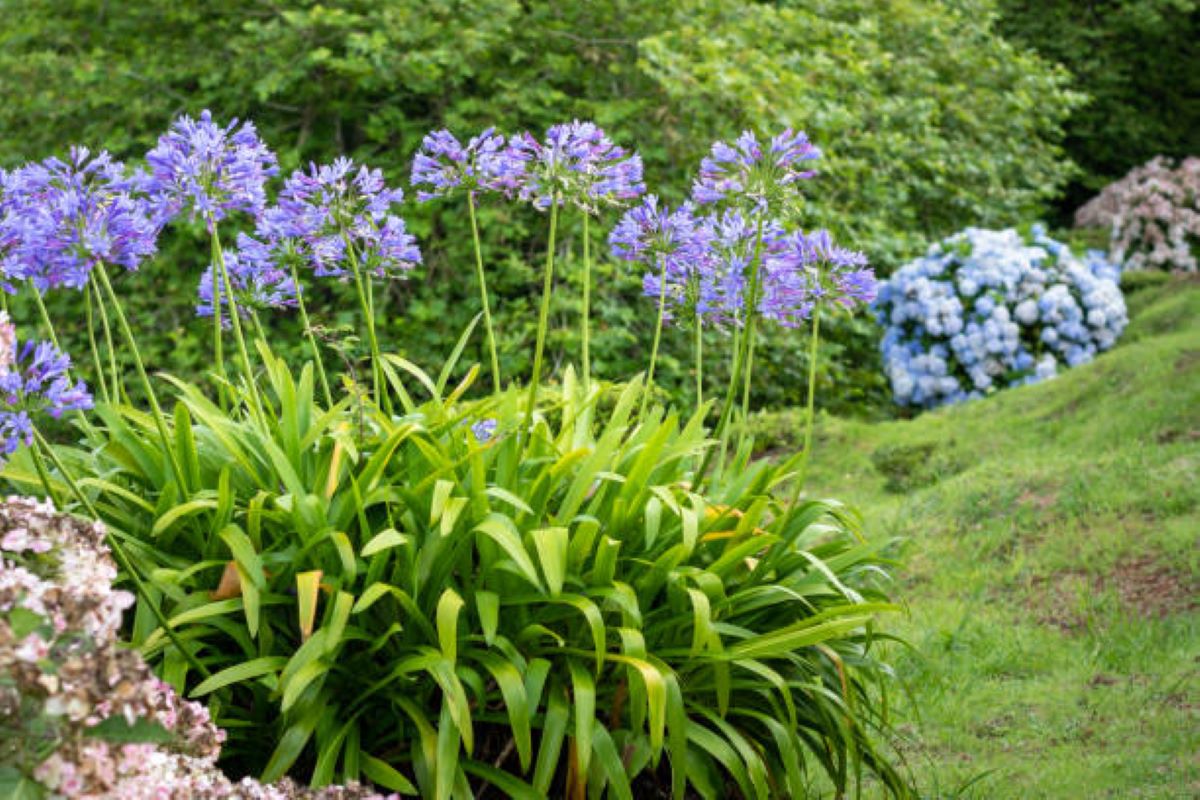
x: 1051, y: 572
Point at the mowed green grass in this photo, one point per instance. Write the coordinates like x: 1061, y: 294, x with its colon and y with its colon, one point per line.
x: 1050, y: 569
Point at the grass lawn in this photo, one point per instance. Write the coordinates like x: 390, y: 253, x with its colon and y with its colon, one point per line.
x: 1051, y: 568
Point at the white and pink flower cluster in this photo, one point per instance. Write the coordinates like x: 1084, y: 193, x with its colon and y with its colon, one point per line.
x: 64, y: 676
x: 1153, y: 214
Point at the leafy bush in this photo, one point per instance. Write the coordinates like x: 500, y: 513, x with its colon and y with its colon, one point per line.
x: 1153, y: 214
x: 988, y: 309
x: 541, y: 588
x: 1135, y: 61
x: 912, y: 466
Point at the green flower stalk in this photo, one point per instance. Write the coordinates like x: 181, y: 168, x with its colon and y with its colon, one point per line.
x: 543, y: 320
x: 483, y: 295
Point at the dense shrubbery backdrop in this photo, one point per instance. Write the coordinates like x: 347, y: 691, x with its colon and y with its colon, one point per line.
x: 368, y: 79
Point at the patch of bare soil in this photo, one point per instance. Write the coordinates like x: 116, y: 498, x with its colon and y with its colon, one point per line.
x: 1145, y: 587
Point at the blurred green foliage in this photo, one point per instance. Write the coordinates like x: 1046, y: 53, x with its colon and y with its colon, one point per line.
x: 928, y: 119
x: 1139, y: 62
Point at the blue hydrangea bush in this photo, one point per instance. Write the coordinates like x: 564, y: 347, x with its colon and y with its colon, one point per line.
x: 984, y: 310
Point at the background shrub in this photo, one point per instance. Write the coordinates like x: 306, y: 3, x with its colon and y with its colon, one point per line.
x: 915, y: 105
x: 1136, y: 61
x: 1153, y: 215
x: 988, y: 309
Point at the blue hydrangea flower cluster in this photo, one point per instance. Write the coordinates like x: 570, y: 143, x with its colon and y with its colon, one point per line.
x: 485, y: 164
x: 208, y: 170
x: 33, y: 380
x: 984, y: 310
x: 577, y: 164
x: 59, y: 218
x: 258, y: 278
x: 330, y: 208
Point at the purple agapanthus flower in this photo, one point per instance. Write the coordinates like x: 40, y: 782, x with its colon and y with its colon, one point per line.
x: 323, y: 211
x: 675, y: 243
x: 485, y: 164
x: 209, y: 170
x: 484, y: 430
x: 736, y: 248
x: 58, y: 219
x: 577, y: 164
x: 745, y: 174
x: 33, y: 380
x: 259, y: 280
x: 807, y: 268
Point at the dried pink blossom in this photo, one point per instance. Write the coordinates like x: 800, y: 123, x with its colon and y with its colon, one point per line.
x: 1153, y: 214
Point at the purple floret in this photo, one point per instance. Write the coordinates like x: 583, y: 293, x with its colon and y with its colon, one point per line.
x: 209, y: 171
x: 323, y: 210
x: 259, y: 280
x: 577, y: 164
x: 744, y: 174
x: 58, y: 219
x: 33, y: 380
x: 485, y: 164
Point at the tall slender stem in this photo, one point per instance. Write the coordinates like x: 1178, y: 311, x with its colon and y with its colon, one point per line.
x: 360, y: 284
x: 746, y: 383
x: 802, y: 474
x: 543, y: 317
x: 312, y: 339
x: 658, y: 326
x: 218, y: 334
x: 118, y: 550
x: 587, y: 304
x: 750, y: 310
x: 91, y: 330
x: 156, y: 409
x: 483, y: 295
x: 698, y: 347
x: 117, y: 388
x: 45, y: 315
x: 236, y: 323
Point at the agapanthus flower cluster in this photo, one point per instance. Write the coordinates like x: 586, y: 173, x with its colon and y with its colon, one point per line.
x: 259, y: 280
x: 485, y: 164
x: 210, y: 171
x: 577, y: 164
x: 34, y: 380
x: 58, y: 219
x: 66, y: 676
x: 1153, y: 214
x: 709, y: 264
x: 746, y: 174
x: 984, y: 310
x: 676, y: 242
x: 804, y: 269
x: 336, y: 212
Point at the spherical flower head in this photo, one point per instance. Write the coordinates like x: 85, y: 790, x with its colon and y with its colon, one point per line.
x: 485, y: 164
x: 208, y: 170
x: 35, y: 382
x: 60, y: 218
x: 809, y: 268
x: 1032, y: 307
x: 577, y: 164
x: 737, y: 243
x: 258, y: 278
x: 334, y: 213
x: 675, y: 248
x: 745, y: 175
